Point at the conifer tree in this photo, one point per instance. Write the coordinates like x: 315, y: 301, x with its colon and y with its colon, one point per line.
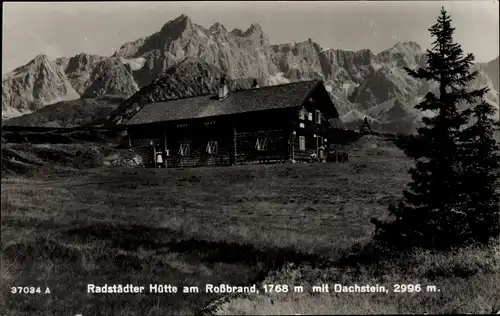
x: 481, y: 175
x: 429, y: 214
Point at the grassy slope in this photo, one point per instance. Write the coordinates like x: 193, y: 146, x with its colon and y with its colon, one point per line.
x: 229, y: 225
x: 467, y: 282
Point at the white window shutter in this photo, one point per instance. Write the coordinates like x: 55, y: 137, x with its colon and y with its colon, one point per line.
x: 212, y: 147
x: 184, y: 150
x: 261, y: 144
x: 302, y: 143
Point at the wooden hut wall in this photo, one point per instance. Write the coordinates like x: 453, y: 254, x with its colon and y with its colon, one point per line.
x: 197, y: 135
x: 269, y: 128
x: 236, y: 137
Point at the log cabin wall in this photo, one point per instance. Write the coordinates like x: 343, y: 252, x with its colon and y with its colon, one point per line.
x: 196, y: 144
x: 239, y: 139
x: 262, y: 136
x: 265, y: 145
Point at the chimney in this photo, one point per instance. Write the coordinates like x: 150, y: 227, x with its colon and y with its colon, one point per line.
x: 223, y: 91
x: 255, y: 84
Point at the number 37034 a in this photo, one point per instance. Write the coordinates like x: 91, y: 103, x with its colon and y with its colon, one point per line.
x: 29, y: 290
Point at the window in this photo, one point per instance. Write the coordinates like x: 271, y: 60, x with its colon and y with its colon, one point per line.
x: 301, y: 125
x: 302, y: 143
x: 261, y: 144
x: 310, y: 117
x: 318, y: 117
x: 212, y: 147
x: 184, y: 150
x: 302, y: 115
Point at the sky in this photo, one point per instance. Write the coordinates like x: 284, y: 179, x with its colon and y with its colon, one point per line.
x: 68, y: 28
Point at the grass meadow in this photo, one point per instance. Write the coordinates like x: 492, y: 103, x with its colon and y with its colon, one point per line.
x: 295, y: 224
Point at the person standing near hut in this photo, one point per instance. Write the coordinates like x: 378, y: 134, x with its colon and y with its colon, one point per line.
x: 321, y: 153
x: 159, y: 159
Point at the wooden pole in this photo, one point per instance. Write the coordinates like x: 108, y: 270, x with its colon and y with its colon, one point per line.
x: 165, y: 148
x: 154, y: 155
x: 317, y: 145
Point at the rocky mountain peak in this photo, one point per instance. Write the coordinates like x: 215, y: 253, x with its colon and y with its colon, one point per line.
x: 183, y: 18
x: 402, y: 54
x: 111, y: 76
x: 217, y: 28
x: 366, y: 53
x: 237, y: 32
x: 39, y: 59
x: 32, y: 86
x: 407, y: 47
x: 253, y: 29
x: 82, y: 62
x: 39, y: 64
x: 177, y: 26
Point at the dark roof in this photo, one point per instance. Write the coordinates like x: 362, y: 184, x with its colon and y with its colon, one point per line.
x: 256, y: 99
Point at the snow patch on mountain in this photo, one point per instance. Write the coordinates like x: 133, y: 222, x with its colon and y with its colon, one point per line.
x: 277, y: 79
x: 134, y: 63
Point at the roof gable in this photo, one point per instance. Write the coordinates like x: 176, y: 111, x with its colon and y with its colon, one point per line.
x: 325, y: 103
x: 249, y: 100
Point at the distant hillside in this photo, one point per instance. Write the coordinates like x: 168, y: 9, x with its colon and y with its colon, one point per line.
x: 69, y: 113
x: 190, y: 77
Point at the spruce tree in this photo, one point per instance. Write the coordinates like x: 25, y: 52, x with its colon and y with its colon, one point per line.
x: 481, y: 175
x: 431, y: 212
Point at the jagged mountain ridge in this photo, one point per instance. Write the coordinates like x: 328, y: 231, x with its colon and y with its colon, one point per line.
x: 356, y: 80
x: 34, y: 85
